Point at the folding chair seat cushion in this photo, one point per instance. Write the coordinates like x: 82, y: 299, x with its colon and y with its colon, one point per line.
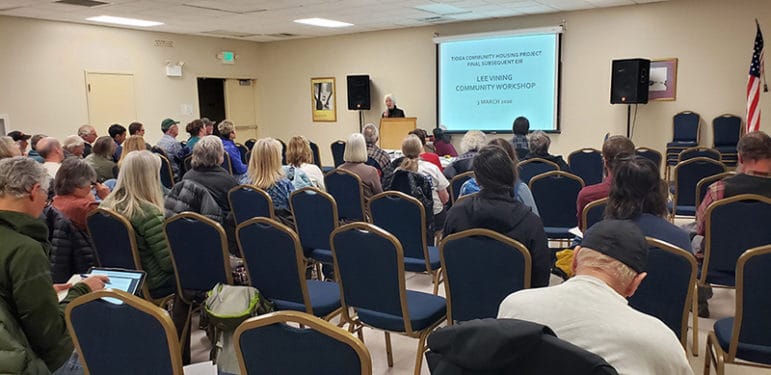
x: 163, y: 291
x: 682, y: 144
x: 726, y: 149
x: 558, y: 232
x: 324, y: 296
x: 748, y: 352
x: 721, y: 277
x: 683, y: 210
x: 419, y: 264
x: 324, y: 256
x: 425, y: 309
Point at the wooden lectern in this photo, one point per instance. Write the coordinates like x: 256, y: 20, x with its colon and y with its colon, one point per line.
x: 393, y: 130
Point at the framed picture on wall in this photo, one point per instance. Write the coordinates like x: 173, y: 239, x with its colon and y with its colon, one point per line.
x: 323, y: 103
x: 663, y: 79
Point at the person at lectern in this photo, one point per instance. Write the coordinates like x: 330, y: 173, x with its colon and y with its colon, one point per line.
x: 391, y: 110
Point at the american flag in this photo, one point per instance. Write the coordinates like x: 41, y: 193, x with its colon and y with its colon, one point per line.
x: 753, y: 84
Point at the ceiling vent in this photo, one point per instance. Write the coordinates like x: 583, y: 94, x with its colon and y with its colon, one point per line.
x: 436, y: 19
x: 232, y: 34
x: 82, y: 3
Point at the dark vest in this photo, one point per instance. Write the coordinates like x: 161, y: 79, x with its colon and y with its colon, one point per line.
x: 747, y: 184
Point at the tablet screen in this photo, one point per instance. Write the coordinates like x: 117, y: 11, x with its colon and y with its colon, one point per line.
x: 121, y: 279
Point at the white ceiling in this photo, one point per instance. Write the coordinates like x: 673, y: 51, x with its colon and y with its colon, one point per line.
x: 265, y: 20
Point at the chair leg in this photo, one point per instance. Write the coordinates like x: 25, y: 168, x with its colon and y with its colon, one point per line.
x: 709, y: 356
x: 421, y: 350
x: 437, y: 274
x: 695, y: 314
x: 389, y: 352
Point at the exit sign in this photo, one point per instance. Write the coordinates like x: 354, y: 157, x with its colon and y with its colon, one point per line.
x: 228, y: 57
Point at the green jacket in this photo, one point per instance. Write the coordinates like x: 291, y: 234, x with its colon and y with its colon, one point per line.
x: 153, y: 248
x: 33, y: 334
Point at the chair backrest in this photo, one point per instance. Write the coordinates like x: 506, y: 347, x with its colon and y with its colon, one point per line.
x: 347, y: 190
x: 703, y: 185
x: 159, y: 151
x: 403, y: 216
x: 250, y: 143
x: 187, y: 164
x: 555, y: 195
x: 698, y: 152
x: 481, y: 268
x: 666, y: 293
x: 268, y: 345
x: 733, y: 225
x: 593, y: 213
x: 114, y: 239
x: 199, y: 252
x: 315, y: 216
x: 227, y: 164
x: 274, y: 260
x: 533, y: 167
x: 283, y: 151
x: 726, y: 130
x: 242, y: 150
x: 650, y: 154
x: 457, y: 182
x: 753, y: 286
x: 685, y: 127
x: 316, y: 154
x: 247, y: 201
x: 338, y: 149
x: 369, y: 267
x: 111, y: 338
x: 167, y: 173
x: 688, y: 174
x: 374, y: 164
x: 587, y: 164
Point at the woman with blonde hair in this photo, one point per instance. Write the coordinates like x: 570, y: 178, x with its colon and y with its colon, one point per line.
x: 132, y: 143
x: 266, y: 173
x: 355, y: 157
x: 299, y: 155
x: 8, y: 148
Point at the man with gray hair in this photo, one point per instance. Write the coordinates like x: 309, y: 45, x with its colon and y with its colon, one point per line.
x: 539, y: 148
x: 88, y: 133
x: 371, y: 136
x: 35, y: 336
x: 51, y: 151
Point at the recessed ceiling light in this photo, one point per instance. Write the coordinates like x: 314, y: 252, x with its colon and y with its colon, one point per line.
x: 124, y: 21
x: 323, y: 22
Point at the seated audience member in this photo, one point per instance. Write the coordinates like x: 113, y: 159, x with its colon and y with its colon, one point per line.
x: 471, y: 143
x: 411, y: 148
x: 8, y: 148
x: 138, y: 129
x: 355, y: 158
x: 228, y: 134
x: 520, y: 190
x: 265, y: 172
x: 88, y: 134
x: 442, y: 145
x: 101, y: 158
x: 132, y: 143
x: 638, y: 194
x: 208, y: 172
x: 539, y: 148
x: 35, y: 337
x: 371, y: 136
x: 33, y: 154
x: 425, y: 155
x: 496, y: 209
x: 520, y: 127
x: 73, y: 146
x: 299, y: 155
x: 590, y: 310
x: 197, y: 130
x: 169, y: 144
x: 615, y: 148
x: 72, y: 185
x: 208, y: 125
x: 118, y: 134
x: 53, y: 154
x: 20, y: 139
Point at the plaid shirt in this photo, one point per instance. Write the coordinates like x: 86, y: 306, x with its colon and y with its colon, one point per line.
x: 520, y: 142
x: 380, y: 156
x: 715, y: 192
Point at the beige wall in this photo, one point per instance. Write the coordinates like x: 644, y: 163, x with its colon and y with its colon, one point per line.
x: 43, y: 64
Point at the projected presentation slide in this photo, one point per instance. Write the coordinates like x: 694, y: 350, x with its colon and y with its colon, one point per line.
x: 485, y: 83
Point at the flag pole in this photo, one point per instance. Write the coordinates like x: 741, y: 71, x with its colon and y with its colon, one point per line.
x: 762, y: 65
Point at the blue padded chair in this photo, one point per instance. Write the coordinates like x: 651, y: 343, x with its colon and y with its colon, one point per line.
x: 369, y: 264
x: 338, y: 150
x: 731, y: 226
x: 243, y: 151
x: 457, y: 182
x: 593, y: 213
x: 250, y: 143
x: 316, y: 154
x: 266, y: 344
x: 374, y: 164
x: 481, y: 268
x: 703, y: 185
x: 555, y: 195
x: 587, y: 164
x: 532, y: 167
x: 668, y: 292
x: 134, y: 336
x: 698, y: 152
x: 650, y: 154
x: 348, y: 192
x: 726, y: 130
x: 167, y: 173
x: 276, y: 266
x: 115, y: 246
x: 283, y: 151
x: 404, y: 217
x: 247, y: 201
x: 685, y: 133
x: 746, y: 336
x: 227, y: 164
x: 315, y: 216
x: 687, y: 175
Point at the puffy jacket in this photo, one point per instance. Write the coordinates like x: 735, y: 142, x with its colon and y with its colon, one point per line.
x: 33, y: 334
x: 71, y: 249
x: 188, y: 195
x: 462, y: 163
x: 153, y: 248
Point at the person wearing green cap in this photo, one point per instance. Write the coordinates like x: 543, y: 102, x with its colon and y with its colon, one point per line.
x: 169, y: 144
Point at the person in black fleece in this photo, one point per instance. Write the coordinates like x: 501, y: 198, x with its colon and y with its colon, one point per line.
x: 496, y: 209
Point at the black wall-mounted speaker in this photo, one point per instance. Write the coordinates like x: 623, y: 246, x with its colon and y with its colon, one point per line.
x: 358, y: 92
x: 629, y: 81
